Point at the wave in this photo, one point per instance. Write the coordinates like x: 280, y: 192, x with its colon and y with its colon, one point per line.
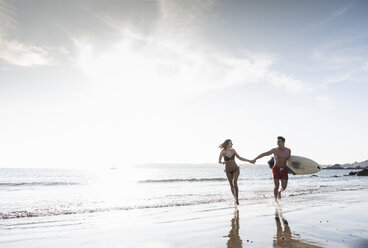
x: 37, y: 184
x: 219, y: 179
x: 53, y: 211
x: 181, y: 202
x: 323, y: 189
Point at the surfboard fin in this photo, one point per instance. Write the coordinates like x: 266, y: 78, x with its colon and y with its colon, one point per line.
x: 290, y: 171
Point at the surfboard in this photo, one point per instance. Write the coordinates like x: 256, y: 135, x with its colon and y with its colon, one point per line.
x: 302, y: 166
x: 298, y: 165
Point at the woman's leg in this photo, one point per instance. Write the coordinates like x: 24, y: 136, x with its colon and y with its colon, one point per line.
x: 236, y: 176
x: 230, y: 178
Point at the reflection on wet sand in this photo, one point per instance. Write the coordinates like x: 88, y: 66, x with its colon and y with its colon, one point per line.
x: 234, y: 240
x: 284, y: 237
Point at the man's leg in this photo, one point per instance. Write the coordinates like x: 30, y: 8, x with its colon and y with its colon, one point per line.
x: 276, y: 189
x: 284, y: 183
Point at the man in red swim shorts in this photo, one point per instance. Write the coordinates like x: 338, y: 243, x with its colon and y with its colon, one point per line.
x: 279, y: 170
x: 279, y: 173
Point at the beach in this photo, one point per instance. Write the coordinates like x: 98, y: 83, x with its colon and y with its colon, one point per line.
x: 319, y: 218
x: 143, y: 124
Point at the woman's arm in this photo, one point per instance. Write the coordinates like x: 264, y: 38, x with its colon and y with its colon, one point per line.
x: 240, y: 158
x: 220, y: 157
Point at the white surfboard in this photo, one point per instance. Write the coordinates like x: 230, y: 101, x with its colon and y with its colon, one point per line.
x: 302, y: 166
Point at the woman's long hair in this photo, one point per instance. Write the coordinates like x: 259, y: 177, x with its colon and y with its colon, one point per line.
x: 225, y: 144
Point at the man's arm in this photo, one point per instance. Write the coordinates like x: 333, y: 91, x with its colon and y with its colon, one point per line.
x: 262, y: 155
x: 289, y: 153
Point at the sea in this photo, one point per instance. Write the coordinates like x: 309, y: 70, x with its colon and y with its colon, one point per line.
x: 146, y: 205
x: 30, y: 193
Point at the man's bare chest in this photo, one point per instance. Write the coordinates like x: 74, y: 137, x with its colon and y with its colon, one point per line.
x: 282, y: 154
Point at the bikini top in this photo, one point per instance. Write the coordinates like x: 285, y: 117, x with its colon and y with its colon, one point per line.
x: 226, y: 158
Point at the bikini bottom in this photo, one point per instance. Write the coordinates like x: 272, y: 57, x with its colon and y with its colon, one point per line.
x: 232, y: 172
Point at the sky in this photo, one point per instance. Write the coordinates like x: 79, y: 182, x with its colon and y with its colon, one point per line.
x: 95, y: 84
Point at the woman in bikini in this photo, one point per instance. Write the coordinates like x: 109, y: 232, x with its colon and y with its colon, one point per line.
x: 231, y: 168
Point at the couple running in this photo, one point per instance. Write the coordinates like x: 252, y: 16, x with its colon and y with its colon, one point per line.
x: 279, y: 170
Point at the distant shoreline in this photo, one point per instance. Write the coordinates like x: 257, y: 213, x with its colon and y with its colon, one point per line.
x: 349, y: 168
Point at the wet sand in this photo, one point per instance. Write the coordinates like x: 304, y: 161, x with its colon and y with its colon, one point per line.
x: 296, y: 222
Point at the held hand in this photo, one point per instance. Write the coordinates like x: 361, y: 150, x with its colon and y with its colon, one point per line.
x: 253, y: 161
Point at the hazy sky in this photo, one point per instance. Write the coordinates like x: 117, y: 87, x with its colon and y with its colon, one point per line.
x: 96, y: 83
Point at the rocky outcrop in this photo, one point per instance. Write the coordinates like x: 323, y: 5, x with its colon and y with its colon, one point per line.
x: 336, y: 166
x: 356, y: 165
x: 363, y: 172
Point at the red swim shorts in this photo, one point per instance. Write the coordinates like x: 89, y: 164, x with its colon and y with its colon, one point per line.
x: 279, y: 173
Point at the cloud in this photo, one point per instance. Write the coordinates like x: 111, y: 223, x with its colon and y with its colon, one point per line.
x: 341, y: 53
x: 19, y: 54
x: 173, y: 57
x: 332, y: 16
x: 15, y: 52
x: 365, y: 67
x: 7, y: 19
x: 338, y: 79
x: 285, y: 82
x: 325, y: 102
x: 177, y: 66
x: 341, y: 60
